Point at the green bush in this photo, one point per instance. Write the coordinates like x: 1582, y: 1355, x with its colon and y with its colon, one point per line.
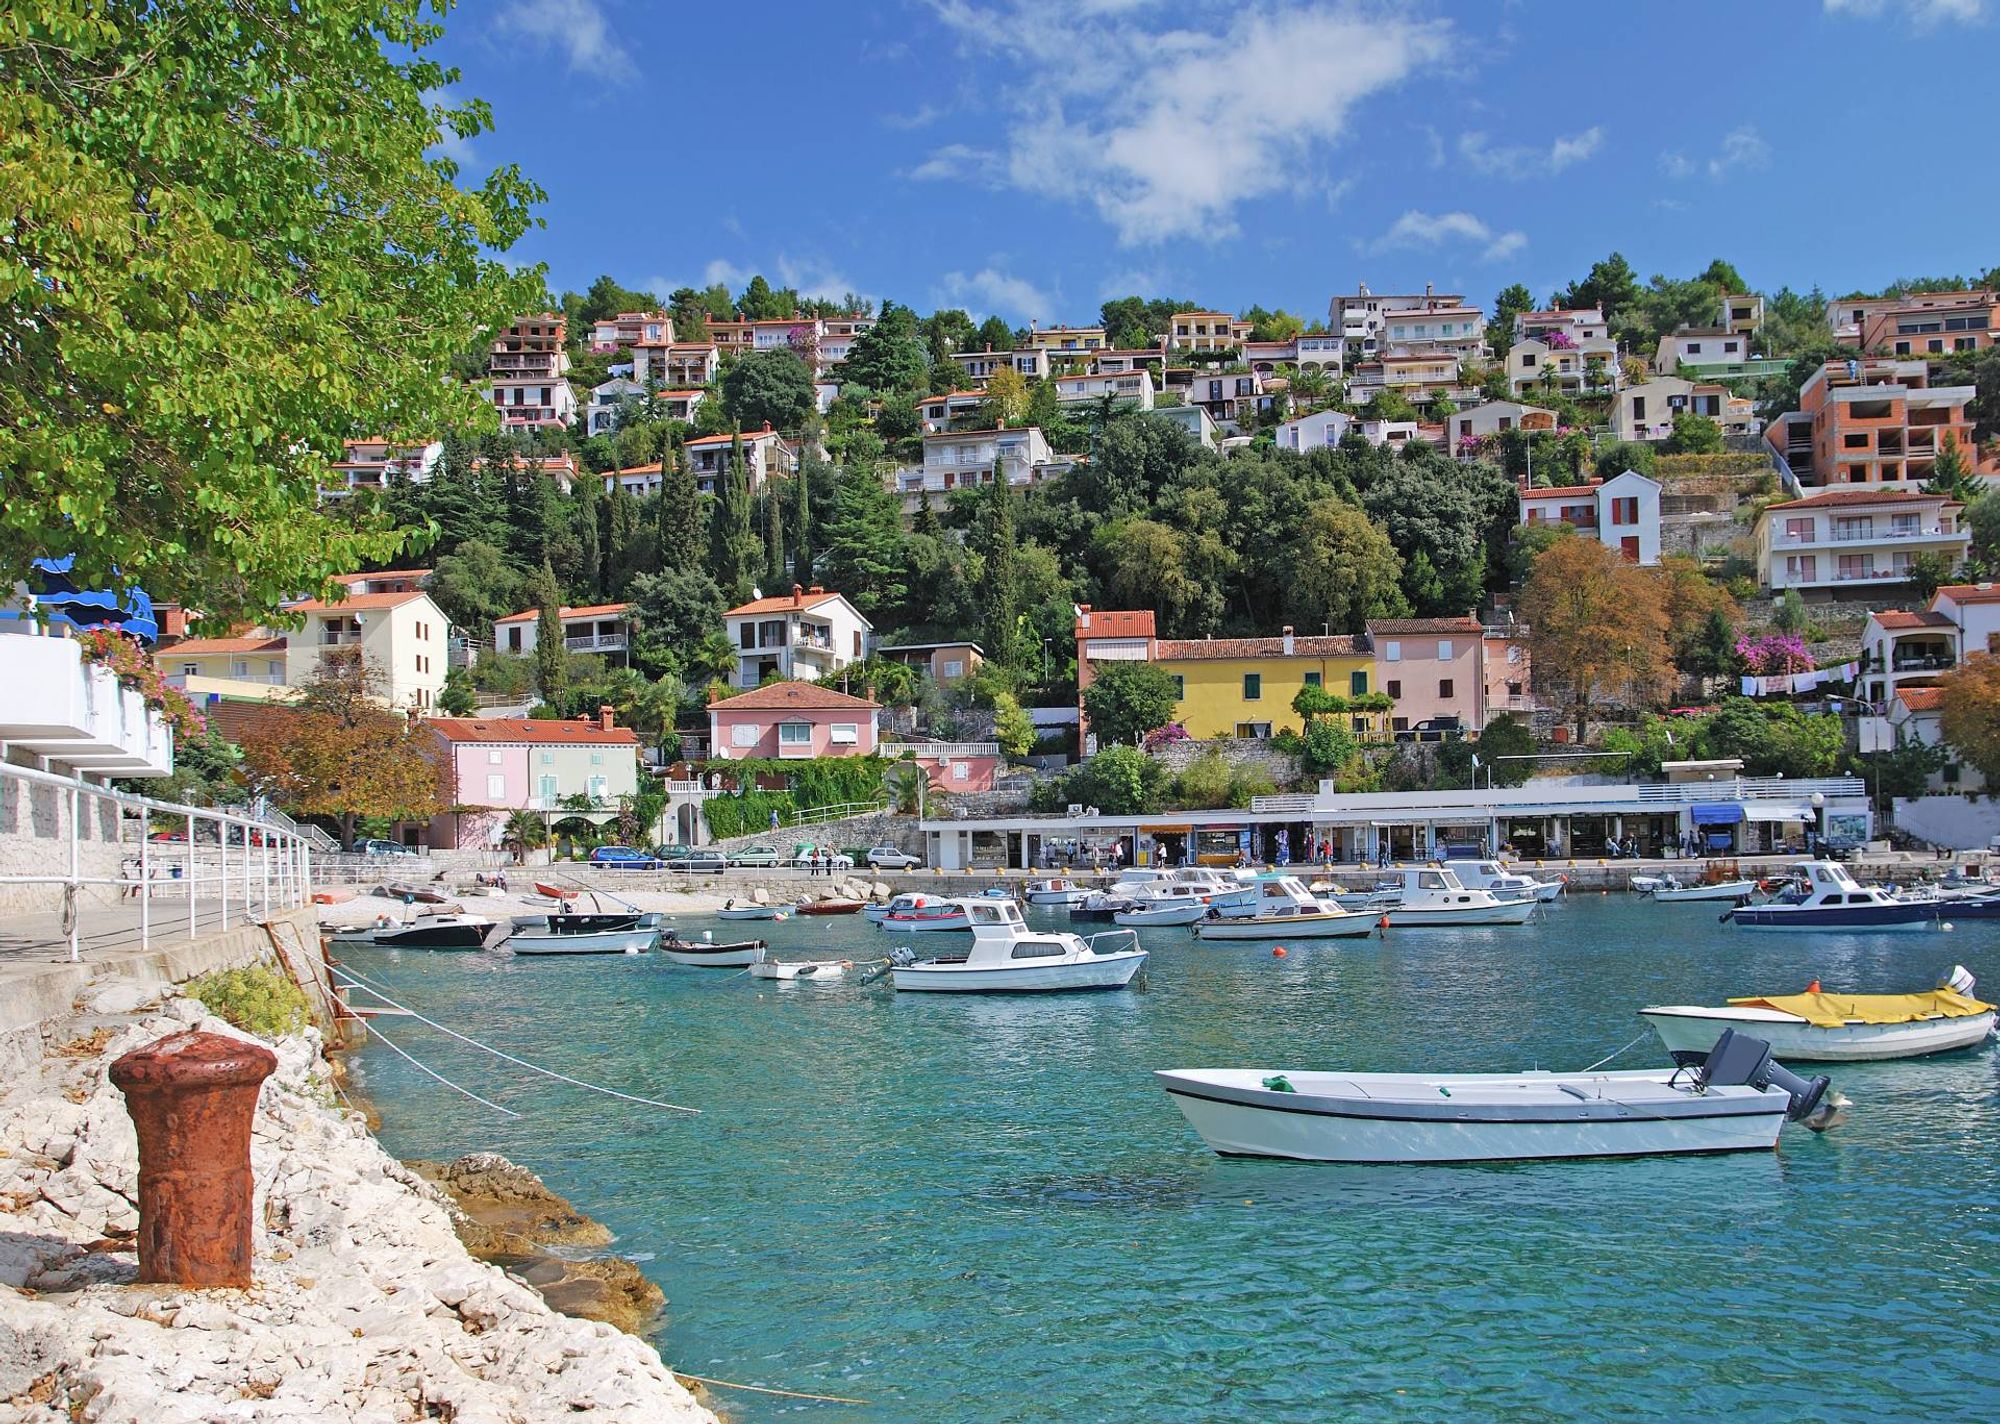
x: 747, y: 814
x: 260, y: 999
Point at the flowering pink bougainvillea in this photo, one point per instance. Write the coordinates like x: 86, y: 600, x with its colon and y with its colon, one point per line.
x: 1166, y: 736
x: 1774, y: 653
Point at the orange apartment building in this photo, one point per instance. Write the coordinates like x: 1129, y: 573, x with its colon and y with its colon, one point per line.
x: 1873, y: 422
x: 1917, y: 323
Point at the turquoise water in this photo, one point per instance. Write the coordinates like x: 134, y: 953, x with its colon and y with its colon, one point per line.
x: 982, y: 1209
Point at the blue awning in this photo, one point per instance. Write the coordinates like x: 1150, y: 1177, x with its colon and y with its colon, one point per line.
x: 1716, y: 813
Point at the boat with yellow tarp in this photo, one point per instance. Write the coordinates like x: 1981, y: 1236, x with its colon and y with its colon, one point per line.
x: 1816, y: 1026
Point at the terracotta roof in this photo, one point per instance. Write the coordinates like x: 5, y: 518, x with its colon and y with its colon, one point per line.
x: 594, y: 610
x: 1561, y: 491
x: 1971, y: 592
x: 541, y: 731
x: 798, y: 598
x: 1898, y: 618
x: 196, y: 646
x: 1465, y: 623
x: 381, y: 574
x: 652, y: 469
x: 750, y: 437
x: 1111, y: 623
x: 356, y: 602
x: 1921, y: 699
x: 1195, y: 649
x: 793, y: 697
x: 1834, y: 498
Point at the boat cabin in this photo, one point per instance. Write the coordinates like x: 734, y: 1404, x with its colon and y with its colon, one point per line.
x: 1826, y: 882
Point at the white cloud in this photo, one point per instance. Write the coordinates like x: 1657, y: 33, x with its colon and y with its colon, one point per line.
x: 1922, y: 14
x: 1524, y: 161
x: 924, y: 116
x: 727, y: 273
x: 957, y: 160
x: 994, y: 292
x: 1144, y: 119
x: 575, y: 28
x: 1420, y: 231
x: 1742, y: 150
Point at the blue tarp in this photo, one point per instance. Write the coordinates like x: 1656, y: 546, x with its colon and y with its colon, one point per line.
x: 1717, y: 813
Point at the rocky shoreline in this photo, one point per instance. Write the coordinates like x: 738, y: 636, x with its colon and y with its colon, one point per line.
x: 368, y: 1305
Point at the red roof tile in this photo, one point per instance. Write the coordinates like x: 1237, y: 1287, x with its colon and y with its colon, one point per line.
x: 356, y: 602
x: 534, y: 730
x: 193, y: 647
x: 1971, y: 592
x: 1197, y: 649
x: 793, y: 697
x: 1834, y: 498
x: 1465, y: 623
x: 792, y: 602
x: 1563, y: 491
x: 594, y: 610
x: 1899, y: 618
x: 1921, y: 699
x: 1112, y: 623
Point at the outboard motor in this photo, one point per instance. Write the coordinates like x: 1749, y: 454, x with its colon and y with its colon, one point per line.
x: 902, y: 956
x: 1960, y: 980
x: 1738, y: 1059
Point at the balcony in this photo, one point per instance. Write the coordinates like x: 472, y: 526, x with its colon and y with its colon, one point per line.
x: 598, y: 643
x: 54, y: 705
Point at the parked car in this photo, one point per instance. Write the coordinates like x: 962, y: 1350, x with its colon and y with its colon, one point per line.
x: 617, y: 857
x: 1432, y: 729
x: 756, y: 855
x: 806, y: 862
x: 888, y: 857
x: 701, y: 862
x: 378, y: 847
x: 676, y: 851
x: 177, y: 836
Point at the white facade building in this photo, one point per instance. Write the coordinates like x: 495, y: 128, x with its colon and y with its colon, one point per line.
x: 1622, y: 513
x: 808, y: 633
x: 1855, y: 538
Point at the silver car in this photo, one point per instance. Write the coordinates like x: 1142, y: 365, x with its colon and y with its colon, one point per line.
x: 885, y: 857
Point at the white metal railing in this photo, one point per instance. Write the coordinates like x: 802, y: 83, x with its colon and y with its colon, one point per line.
x: 599, y: 643
x: 839, y: 811
x: 894, y: 750
x: 250, y: 865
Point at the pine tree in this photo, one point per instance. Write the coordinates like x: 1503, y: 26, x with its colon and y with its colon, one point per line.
x: 1949, y: 473
x: 774, y: 538
x: 866, y: 558
x: 732, y: 547
x: 927, y: 520
x: 679, y: 520
x: 802, y: 556
x: 551, y: 658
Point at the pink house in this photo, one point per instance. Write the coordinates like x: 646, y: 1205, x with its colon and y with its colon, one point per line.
x: 791, y: 720
x: 497, y: 765
x: 1433, y: 668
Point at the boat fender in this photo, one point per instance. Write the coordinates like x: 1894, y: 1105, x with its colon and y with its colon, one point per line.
x: 1279, y: 1083
x: 1278, y: 953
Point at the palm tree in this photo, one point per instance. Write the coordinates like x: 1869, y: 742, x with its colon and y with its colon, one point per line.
x: 523, y: 832
x: 712, y: 658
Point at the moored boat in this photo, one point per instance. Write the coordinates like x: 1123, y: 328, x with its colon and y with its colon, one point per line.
x: 1828, y: 898
x: 449, y: 930
x: 1163, y: 910
x: 828, y: 907
x: 1008, y: 958
x: 1056, y: 890
x: 734, y: 911
x: 1286, y: 911
x: 1737, y: 1100
x: 626, y: 941
x: 1432, y: 897
x: 706, y: 953
x: 1505, y: 884
x: 799, y: 970
x: 927, y: 914
x: 1670, y: 891
x: 555, y: 892
x: 1818, y: 1027
x: 415, y: 894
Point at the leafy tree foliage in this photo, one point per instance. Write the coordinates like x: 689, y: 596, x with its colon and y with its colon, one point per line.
x: 1126, y: 700
x: 1692, y: 435
x: 889, y: 356
x: 1598, y: 630
x: 606, y: 299
x: 864, y: 545
x: 1013, y: 728
x: 1510, y: 303
x: 993, y: 335
x: 761, y: 302
x: 1506, y: 745
x: 1132, y: 322
x: 773, y: 388
x: 1344, y: 570
x: 474, y: 585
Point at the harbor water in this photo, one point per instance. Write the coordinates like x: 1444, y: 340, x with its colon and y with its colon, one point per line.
x: 981, y: 1208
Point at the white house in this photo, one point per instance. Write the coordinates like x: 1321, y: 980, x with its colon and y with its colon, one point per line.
x: 636, y: 480
x: 1194, y: 419
x: 1578, y: 323
x: 596, y: 628
x: 1854, y: 539
x: 1032, y: 364
x: 1700, y: 346
x: 1322, y: 429
x: 807, y: 633
x: 1588, y: 366
x: 402, y: 635
x: 1129, y: 390
x: 953, y: 408
x: 371, y: 464
x: 601, y: 413
x: 1623, y: 513
x: 1647, y: 411
x: 1468, y: 430
x: 764, y: 455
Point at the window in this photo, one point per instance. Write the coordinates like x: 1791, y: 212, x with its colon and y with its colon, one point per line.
x: 1626, y: 510
x: 493, y: 757
x: 1694, y: 348
x: 1444, y: 687
x: 746, y: 635
x: 1799, y: 530
x: 190, y: 670
x: 743, y: 735
x: 955, y: 668
x: 547, y: 790
x: 1934, y: 345
x: 960, y: 771
x: 794, y: 734
x: 1399, y: 724
x: 1393, y: 687
x: 1037, y: 949
x: 1902, y: 348
x: 1392, y: 651
x: 1357, y: 682
x: 1313, y: 680
x: 496, y: 787
x: 1638, y: 407
x: 1180, y: 687
x: 1253, y: 686
x: 597, y: 758
x: 548, y: 758
x: 1253, y: 731
x: 1444, y: 650
x: 845, y: 734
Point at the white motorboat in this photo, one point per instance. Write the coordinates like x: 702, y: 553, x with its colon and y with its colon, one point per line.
x: 1828, y: 898
x: 632, y: 941
x: 1285, y: 910
x: 906, y: 903
x: 1736, y: 1101
x: 1433, y: 896
x: 1056, y: 891
x: 1668, y: 890
x: 1162, y: 910
x: 734, y: 911
x: 929, y: 914
x: 1007, y: 958
x: 447, y: 930
x: 1819, y: 1027
x: 799, y: 970
x: 706, y: 953
x: 1505, y: 884
x: 1229, y: 892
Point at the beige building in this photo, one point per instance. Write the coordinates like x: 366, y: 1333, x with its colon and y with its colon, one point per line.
x: 402, y: 636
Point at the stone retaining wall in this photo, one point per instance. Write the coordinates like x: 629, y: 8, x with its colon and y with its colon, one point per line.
x: 34, y: 840
x: 1242, y: 754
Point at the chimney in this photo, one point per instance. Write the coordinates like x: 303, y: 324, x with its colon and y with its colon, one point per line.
x: 816, y: 589
x: 1428, y: 289
x: 605, y: 719
x: 1083, y: 615
x: 796, y: 591
x: 1291, y: 643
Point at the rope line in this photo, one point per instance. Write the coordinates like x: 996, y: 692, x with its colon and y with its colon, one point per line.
x: 422, y: 1068
x: 766, y: 1389
x: 359, y: 982
x: 1615, y: 1052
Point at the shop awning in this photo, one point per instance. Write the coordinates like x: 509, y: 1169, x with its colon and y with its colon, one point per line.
x: 1778, y: 813
x: 1716, y: 813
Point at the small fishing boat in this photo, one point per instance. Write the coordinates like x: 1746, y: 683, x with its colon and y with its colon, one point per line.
x: 928, y: 915
x: 1819, y: 1027
x: 1101, y: 905
x: 567, y: 921
x: 1162, y: 910
x: 417, y: 894
x: 632, y: 940
x: 555, y: 892
x: 828, y: 907
x: 1828, y: 898
x: 734, y: 911
x: 706, y: 953
x: 895, y: 905
x: 799, y: 970
x: 1494, y: 878
x: 1433, y: 896
x: 1737, y: 1100
x: 1668, y: 890
x: 448, y: 930
x: 1055, y: 891
x: 1286, y: 911
x: 1007, y: 958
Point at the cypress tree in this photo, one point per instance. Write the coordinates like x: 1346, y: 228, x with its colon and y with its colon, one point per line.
x: 732, y: 547
x: 774, y: 538
x: 589, y: 498
x: 680, y: 520
x: 551, y: 658
x: 927, y: 520
x: 998, y: 594
x: 802, y: 557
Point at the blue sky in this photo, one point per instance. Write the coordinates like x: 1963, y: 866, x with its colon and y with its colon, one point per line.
x: 1032, y: 157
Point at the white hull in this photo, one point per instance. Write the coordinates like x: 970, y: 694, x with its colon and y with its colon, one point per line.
x: 752, y: 912
x: 1728, y: 890
x: 1347, y: 926
x: 698, y: 958
x: 1611, y: 1115
x: 1686, y: 1029
x: 1164, y: 915
x: 935, y: 924
x: 1103, y: 971
x: 1057, y: 897
x: 812, y: 971
x: 1500, y: 912
x: 608, y: 942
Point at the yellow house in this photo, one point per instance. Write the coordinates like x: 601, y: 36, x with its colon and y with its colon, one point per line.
x: 1243, y: 687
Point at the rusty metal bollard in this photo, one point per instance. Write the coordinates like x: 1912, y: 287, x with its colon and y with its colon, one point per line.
x: 192, y: 1097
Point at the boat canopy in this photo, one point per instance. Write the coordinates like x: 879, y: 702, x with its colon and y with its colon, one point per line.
x: 1716, y: 813
x: 1837, y: 1010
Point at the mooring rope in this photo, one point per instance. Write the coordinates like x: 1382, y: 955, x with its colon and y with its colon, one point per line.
x: 766, y: 1389
x: 367, y: 1027
x: 359, y: 982
x: 1609, y: 1056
